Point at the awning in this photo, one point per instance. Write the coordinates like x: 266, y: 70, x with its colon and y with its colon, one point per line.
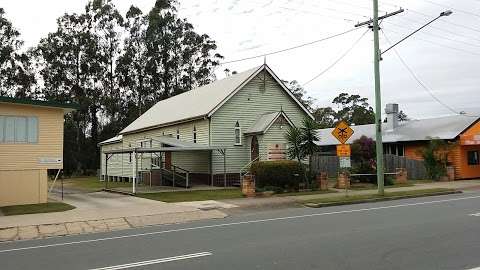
x: 264, y: 122
x: 162, y: 149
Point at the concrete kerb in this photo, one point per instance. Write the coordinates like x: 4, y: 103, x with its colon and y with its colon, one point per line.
x: 320, y: 205
x: 91, y: 226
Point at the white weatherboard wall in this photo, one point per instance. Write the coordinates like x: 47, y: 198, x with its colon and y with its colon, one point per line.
x: 275, y: 135
x: 115, y: 167
x: 246, y: 106
x: 197, y: 161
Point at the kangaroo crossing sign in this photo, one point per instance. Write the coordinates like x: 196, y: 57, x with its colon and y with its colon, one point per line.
x: 342, y: 132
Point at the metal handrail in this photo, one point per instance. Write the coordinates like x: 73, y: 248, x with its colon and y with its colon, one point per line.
x: 247, y: 166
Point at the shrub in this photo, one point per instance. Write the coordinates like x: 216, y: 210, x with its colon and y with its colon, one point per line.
x: 435, y: 156
x: 283, y: 174
x: 363, y: 159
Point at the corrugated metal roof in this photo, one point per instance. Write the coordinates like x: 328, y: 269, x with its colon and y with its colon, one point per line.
x: 200, y: 102
x: 115, y: 139
x: 445, y: 128
x: 174, y: 142
x: 67, y: 107
x: 193, y: 104
x: 264, y: 122
x: 163, y: 149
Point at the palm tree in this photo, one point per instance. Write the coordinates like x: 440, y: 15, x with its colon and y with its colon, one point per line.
x: 302, y: 142
x: 294, y: 139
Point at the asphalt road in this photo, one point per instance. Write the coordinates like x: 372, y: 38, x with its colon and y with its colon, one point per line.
x: 426, y: 233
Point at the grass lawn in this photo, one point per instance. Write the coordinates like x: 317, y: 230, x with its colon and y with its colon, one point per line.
x: 35, y: 208
x: 353, y: 198
x: 305, y: 193
x: 220, y: 194
x: 194, y: 195
x: 367, y: 186
x: 87, y: 183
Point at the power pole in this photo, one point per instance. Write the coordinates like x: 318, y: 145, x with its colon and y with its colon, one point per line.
x: 378, y: 97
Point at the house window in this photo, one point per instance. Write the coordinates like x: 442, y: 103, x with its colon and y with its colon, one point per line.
x: 394, y: 149
x: 178, y: 134
x: 145, y: 144
x: 194, y: 134
x: 473, y: 158
x: 238, y: 137
x: 18, y: 129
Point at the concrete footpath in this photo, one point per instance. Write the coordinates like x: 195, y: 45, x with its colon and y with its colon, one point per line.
x: 103, y: 212
x: 276, y: 201
x: 100, y: 212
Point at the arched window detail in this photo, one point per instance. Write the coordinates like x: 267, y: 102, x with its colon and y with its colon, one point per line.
x: 238, y: 134
x: 194, y: 134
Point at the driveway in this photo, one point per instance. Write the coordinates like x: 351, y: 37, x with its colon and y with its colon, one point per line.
x: 98, y: 206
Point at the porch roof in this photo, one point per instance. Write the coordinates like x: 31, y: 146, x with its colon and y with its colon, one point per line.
x: 163, y: 149
x: 265, y: 121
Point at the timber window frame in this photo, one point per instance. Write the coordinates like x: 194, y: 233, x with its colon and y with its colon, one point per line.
x: 194, y: 134
x: 473, y: 158
x: 238, y: 134
x: 16, y: 129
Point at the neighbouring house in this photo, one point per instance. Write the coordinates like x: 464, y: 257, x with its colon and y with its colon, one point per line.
x: 31, y: 142
x: 407, y: 138
x: 208, y: 134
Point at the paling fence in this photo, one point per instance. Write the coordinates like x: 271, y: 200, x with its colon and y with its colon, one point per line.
x: 330, y: 164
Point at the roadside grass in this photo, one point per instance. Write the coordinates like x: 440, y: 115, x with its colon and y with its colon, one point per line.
x: 300, y: 193
x: 35, y: 208
x: 388, y: 195
x: 368, y: 186
x: 194, y: 195
x: 87, y: 183
x: 220, y: 194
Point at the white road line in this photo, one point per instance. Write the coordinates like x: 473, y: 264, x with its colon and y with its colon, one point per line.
x: 157, y: 261
x: 475, y: 215
x: 238, y: 223
x: 476, y: 268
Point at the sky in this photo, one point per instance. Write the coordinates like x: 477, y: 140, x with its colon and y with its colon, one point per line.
x: 444, y: 57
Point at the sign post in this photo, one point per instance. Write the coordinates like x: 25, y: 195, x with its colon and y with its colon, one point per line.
x: 342, y: 132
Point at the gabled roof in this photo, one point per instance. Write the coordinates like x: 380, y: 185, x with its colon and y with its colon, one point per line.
x: 264, y: 122
x: 113, y: 140
x: 199, y: 103
x: 445, y: 128
x: 67, y: 107
x: 168, y: 140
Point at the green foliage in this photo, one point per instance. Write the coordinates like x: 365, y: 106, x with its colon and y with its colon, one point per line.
x: 435, y: 156
x: 363, y: 158
x: 299, y: 92
x: 352, y: 109
x: 294, y: 139
x: 309, y: 136
x: 284, y: 174
x: 16, y: 69
x: 302, y: 140
x: 83, y: 61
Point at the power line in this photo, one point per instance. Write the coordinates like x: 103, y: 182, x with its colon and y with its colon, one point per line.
x: 437, y: 36
x: 430, y: 16
x: 424, y: 87
x: 444, y: 21
x: 456, y: 9
x: 316, y: 13
x: 441, y: 29
x: 290, y: 48
x: 338, y: 60
x: 439, y: 44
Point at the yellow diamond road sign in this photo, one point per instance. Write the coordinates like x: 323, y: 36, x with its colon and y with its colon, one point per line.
x: 342, y: 132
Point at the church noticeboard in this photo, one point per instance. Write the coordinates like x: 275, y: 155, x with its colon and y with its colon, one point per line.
x: 277, y: 151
